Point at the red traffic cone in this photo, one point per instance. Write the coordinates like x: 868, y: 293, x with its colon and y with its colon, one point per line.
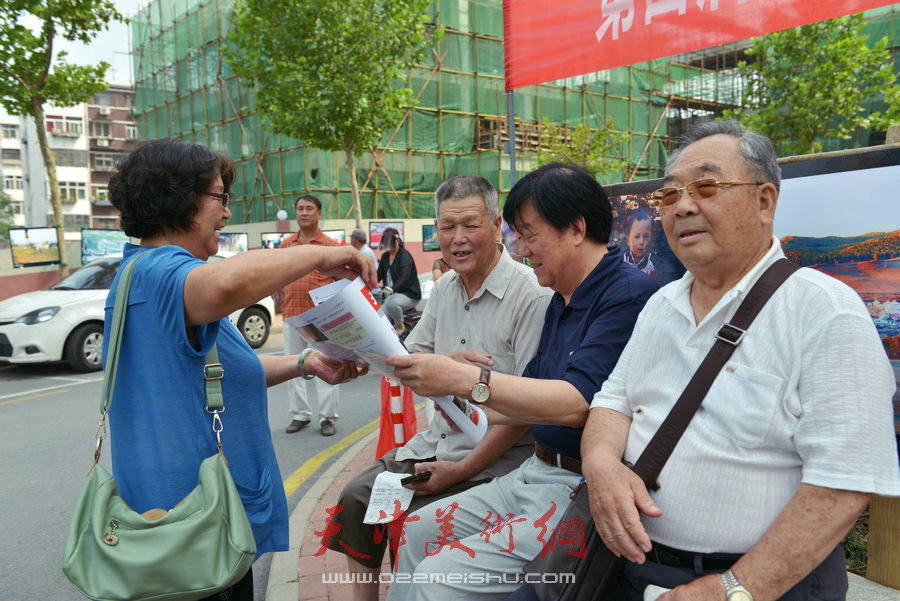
x: 398, y: 416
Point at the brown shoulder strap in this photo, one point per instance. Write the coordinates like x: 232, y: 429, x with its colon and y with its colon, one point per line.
x: 729, y: 336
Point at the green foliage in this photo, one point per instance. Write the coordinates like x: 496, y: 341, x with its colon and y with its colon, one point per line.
x: 327, y: 72
x: 856, y: 545
x: 808, y: 84
x: 595, y: 150
x: 7, y: 211
x: 30, y: 76
x: 26, y: 56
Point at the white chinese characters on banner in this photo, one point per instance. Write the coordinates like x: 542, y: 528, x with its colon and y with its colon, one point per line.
x: 619, y: 14
x: 659, y: 7
x: 613, y: 11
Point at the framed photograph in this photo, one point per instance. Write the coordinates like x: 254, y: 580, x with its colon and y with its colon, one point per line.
x: 429, y: 237
x: 273, y: 239
x: 235, y: 242
x: 338, y: 236
x: 376, y: 228
x: 33, y: 246
x: 838, y: 215
x: 96, y: 243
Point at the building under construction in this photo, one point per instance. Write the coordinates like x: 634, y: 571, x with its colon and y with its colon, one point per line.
x: 184, y: 88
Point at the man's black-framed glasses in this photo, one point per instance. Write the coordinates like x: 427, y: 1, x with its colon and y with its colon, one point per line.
x: 223, y: 197
x: 702, y: 188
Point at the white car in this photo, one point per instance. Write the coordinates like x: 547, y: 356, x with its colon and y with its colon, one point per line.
x: 66, y: 322
x: 254, y: 321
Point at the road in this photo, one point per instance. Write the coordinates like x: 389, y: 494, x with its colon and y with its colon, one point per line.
x: 48, y: 416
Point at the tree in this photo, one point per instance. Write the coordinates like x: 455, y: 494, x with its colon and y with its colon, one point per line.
x: 7, y: 212
x: 30, y: 76
x: 330, y: 73
x: 595, y: 150
x: 808, y: 84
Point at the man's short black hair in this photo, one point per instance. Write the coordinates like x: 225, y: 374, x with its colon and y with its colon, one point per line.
x: 561, y: 193
x: 156, y: 186
x: 309, y: 198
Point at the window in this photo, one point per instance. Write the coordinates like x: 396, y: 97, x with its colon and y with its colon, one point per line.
x: 102, y: 98
x: 101, y: 129
x: 72, y: 191
x: 71, y: 158
x: 104, y: 161
x: 65, y: 126
x: 18, y: 207
x: 74, y: 222
x: 13, y: 182
x: 11, y: 155
x: 131, y: 132
x: 101, y: 193
x: 9, y: 131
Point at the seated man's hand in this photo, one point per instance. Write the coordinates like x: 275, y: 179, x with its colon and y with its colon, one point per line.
x: 333, y: 371
x: 701, y: 589
x: 618, y: 497
x: 433, y: 375
x: 471, y: 357
x: 444, y: 474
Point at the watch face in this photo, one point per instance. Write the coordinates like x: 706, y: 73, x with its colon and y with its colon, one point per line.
x: 480, y: 392
x: 739, y: 595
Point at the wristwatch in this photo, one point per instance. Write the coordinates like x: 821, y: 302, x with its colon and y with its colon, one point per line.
x: 733, y: 589
x: 481, y: 391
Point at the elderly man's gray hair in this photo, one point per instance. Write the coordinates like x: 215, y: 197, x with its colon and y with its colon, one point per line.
x: 756, y: 149
x: 358, y: 235
x: 464, y: 186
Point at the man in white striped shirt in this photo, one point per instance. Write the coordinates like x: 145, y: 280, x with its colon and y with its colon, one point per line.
x: 796, y: 433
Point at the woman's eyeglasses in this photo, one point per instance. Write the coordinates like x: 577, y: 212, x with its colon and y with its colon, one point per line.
x: 223, y: 197
x: 702, y: 188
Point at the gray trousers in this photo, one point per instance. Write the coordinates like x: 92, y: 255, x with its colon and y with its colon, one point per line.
x: 478, y: 551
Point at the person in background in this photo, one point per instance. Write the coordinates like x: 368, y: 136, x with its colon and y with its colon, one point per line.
x: 439, y: 268
x: 399, y: 279
x: 794, y: 436
x: 358, y: 241
x: 564, y: 220
x: 638, y: 237
x: 173, y: 196
x: 488, y: 303
x: 296, y: 301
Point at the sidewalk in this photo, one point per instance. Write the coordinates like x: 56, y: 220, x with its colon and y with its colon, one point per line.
x: 296, y: 574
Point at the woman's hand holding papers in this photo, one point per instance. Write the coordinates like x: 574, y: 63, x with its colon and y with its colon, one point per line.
x: 333, y: 371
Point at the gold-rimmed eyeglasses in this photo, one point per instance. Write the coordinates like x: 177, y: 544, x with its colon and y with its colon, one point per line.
x: 702, y: 188
x: 223, y: 197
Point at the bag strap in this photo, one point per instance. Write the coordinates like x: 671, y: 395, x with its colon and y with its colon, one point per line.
x: 729, y: 336
x: 213, y: 372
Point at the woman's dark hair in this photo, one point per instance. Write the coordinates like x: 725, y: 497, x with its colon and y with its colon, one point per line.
x: 561, y: 193
x: 157, y: 185
x: 638, y: 215
x: 388, y: 236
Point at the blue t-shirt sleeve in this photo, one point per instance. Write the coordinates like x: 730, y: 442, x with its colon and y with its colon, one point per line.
x: 159, y: 279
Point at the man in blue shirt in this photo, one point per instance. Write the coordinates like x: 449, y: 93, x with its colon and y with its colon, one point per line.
x: 474, y: 545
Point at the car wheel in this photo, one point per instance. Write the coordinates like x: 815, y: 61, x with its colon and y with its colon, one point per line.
x: 84, y: 348
x: 254, y: 326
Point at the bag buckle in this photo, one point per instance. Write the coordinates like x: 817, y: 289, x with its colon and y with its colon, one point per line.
x: 213, y: 371
x: 730, y: 334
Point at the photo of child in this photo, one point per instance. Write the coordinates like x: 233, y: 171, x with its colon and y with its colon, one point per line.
x: 638, y: 236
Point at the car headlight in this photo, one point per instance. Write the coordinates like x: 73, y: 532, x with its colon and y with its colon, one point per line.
x: 39, y: 316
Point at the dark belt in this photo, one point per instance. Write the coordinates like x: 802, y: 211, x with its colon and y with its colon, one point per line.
x: 557, y: 459
x: 669, y: 556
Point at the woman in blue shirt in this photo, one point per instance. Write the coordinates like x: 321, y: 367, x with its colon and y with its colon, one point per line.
x: 173, y: 196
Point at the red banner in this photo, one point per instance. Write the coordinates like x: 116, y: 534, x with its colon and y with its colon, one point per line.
x: 545, y: 40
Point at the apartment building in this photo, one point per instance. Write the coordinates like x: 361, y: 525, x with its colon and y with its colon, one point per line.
x: 113, y: 134
x: 87, y: 141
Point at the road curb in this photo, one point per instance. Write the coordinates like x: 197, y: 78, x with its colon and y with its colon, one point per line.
x: 285, y: 566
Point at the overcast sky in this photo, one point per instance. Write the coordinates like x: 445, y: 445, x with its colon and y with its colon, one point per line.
x: 111, y: 45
